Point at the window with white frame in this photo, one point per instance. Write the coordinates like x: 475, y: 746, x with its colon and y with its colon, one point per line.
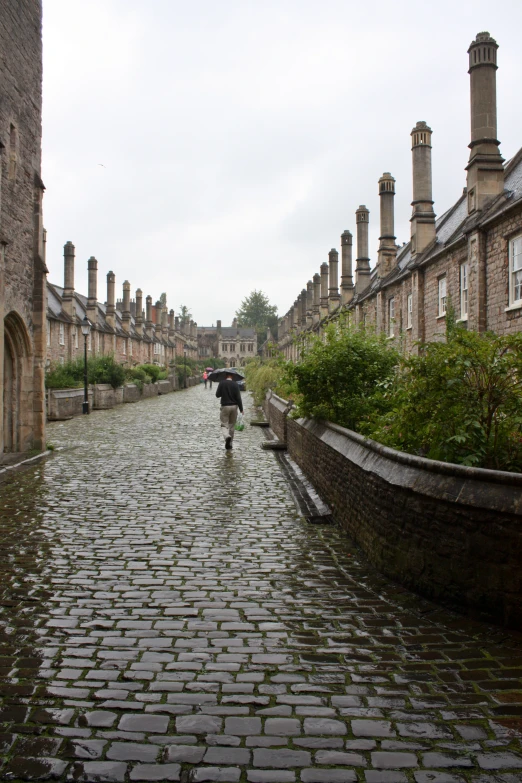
x: 515, y: 271
x: 409, y: 311
x: 75, y: 336
x: 130, y: 347
x: 391, y: 316
x: 97, y: 340
x: 442, y: 296
x: 124, y: 346
x: 61, y: 336
x: 48, y: 332
x: 464, y: 284
x: 89, y: 342
x: 156, y: 348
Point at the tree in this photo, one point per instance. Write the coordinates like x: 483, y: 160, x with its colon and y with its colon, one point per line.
x: 256, y: 311
x: 163, y: 299
x: 184, y: 313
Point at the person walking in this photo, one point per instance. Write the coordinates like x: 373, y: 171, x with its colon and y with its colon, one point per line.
x: 228, y: 392
x: 205, y: 378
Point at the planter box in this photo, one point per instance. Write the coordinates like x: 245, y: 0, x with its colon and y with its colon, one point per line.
x: 131, y: 393
x: 106, y: 397
x: 149, y: 390
x: 164, y: 387
x: 63, y: 404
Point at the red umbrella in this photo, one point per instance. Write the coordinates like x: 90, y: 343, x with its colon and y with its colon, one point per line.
x: 209, y: 369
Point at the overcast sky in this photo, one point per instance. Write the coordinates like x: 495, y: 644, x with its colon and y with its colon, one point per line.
x: 238, y: 137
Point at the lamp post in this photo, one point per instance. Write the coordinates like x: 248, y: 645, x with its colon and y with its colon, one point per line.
x: 86, y: 330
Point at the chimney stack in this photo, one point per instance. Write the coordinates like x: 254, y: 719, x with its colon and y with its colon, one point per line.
x: 309, y: 303
x: 334, y: 298
x: 172, y: 324
x: 387, y: 247
x: 68, y: 279
x: 125, y: 313
x: 323, y: 304
x: 149, y: 325
x: 423, y: 217
x: 138, y: 319
x: 92, y: 290
x: 485, y: 169
x: 362, y: 267
x: 110, y: 311
x: 316, y: 314
x: 347, y: 287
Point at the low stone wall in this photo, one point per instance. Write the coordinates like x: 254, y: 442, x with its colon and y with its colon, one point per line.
x: 106, y: 397
x: 131, y: 393
x: 276, y: 410
x: 149, y: 390
x: 447, y: 531
x: 63, y: 404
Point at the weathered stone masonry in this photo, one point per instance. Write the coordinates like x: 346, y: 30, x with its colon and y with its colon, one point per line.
x: 22, y: 255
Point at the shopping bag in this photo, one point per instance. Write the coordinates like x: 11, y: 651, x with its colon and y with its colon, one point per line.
x: 240, y: 424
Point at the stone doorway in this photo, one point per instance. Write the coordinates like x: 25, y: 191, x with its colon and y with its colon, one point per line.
x: 18, y: 413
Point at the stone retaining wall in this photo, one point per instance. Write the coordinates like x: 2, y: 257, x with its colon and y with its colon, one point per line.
x: 447, y: 531
x: 66, y: 403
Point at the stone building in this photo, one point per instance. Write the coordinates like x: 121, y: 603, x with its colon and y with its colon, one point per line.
x: 123, y: 328
x: 235, y: 345
x: 22, y: 254
x: 471, y: 256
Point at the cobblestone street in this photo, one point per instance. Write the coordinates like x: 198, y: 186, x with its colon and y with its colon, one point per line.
x: 168, y: 615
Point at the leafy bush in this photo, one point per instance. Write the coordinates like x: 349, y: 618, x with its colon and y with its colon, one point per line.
x: 264, y: 374
x: 100, y: 369
x: 341, y: 378
x: 459, y: 401
x: 138, y: 376
x: 152, y: 370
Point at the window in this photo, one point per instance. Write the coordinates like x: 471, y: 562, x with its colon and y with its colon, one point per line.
x: 409, y: 310
x: 75, y: 336
x: 242, y: 347
x: 130, y: 347
x: 250, y: 347
x: 124, y: 346
x: 225, y: 348
x: 464, y: 291
x: 442, y: 296
x: 232, y: 347
x: 97, y: 339
x: 391, y: 316
x: 61, y: 338
x: 48, y: 332
x: 89, y: 342
x: 156, y: 348
x: 515, y: 268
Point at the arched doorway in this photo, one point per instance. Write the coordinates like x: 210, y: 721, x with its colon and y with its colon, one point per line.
x: 18, y: 408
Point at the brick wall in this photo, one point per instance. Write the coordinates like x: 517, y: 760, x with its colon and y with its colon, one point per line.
x: 449, y: 532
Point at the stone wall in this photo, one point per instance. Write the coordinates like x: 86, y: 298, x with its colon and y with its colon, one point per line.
x: 447, y: 531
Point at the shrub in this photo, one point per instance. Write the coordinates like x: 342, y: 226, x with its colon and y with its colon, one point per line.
x: 152, y: 370
x: 100, y: 369
x: 64, y: 376
x: 459, y: 401
x: 264, y: 374
x: 341, y: 378
x: 104, y: 369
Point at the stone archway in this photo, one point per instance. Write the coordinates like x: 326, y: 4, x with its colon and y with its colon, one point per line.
x: 18, y: 385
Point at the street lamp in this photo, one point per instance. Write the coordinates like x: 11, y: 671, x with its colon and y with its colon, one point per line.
x: 86, y: 330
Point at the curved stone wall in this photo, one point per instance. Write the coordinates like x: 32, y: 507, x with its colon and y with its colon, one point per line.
x: 447, y: 531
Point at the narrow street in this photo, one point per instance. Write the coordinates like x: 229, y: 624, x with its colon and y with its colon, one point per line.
x: 168, y: 615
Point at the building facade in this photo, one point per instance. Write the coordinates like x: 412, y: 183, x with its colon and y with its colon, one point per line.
x: 122, y: 328
x: 470, y: 257
x: 234, y: 345
x: 22, y: 253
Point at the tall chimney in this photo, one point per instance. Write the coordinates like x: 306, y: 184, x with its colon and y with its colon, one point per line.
x: 110, y: 312
x: 423, y: 217
x: 362, y: 264
x: 347, y: 287
x: 138, y: 320
x: 68, y: 279
x: 149, y: 325
x: 309, y: 303
x: 323, y: 305
x: 387, y: 247
x: 334, y: 298
x: 172, y: 324
x: 92, y: 290
x: 125, y: 313
x: 485, y: 170
x: 176, y: 323
x: 316, y: 313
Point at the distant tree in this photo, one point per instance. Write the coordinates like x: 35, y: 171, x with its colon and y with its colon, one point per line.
x: 256, y: 311
x: 163, y: 299
x: 184, y: 313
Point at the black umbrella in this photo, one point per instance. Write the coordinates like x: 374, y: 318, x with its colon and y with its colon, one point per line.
x: 221, y: 374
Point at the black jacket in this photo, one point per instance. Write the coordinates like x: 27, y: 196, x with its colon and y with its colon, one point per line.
x: 229, y: 393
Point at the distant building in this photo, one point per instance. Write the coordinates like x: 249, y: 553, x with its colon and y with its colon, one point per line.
x: 471, y: 255
x: 235, y: 345
x: 22, y: 245
x: 122, y: 328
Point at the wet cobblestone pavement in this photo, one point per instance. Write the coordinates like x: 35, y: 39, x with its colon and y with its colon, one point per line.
x: 168, y: 615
